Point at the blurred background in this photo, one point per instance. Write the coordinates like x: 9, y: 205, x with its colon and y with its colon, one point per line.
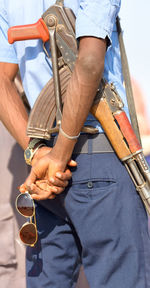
x: 135, y: 24
x: 135, y: 20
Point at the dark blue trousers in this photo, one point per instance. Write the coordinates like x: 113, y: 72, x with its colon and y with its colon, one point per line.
x: 98, y: 221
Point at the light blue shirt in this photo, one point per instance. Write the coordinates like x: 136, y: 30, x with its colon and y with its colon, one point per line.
x: 93, y: 18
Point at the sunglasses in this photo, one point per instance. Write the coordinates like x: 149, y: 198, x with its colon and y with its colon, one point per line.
x: 25, y: 206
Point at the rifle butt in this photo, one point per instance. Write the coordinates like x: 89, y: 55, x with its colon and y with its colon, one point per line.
x: 127, y: 131
x: 103, y: 114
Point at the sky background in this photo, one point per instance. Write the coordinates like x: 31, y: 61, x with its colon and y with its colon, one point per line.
x: 135, y: 22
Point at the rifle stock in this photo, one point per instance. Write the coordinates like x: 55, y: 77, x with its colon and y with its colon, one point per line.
x: 102, y: 113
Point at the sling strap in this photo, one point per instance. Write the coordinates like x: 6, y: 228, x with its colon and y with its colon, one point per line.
x: 60, y: 2
x: 127, y: 80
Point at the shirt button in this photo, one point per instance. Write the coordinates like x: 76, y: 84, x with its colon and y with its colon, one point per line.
x: 90, y: 184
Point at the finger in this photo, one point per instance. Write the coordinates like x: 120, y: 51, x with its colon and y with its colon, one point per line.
x: 59, y: 190
x: 52, y: 196
x: 30, y: 179
x: 57, y: 182
x: 39, y: 194
x: 44, y: 185
x: 22, y: 188
x: 40, y: 198
x: 65, y: 176
x: 72, y: 163
x: 47, y: 188
x: 51, y: 189
x: 33, y: 189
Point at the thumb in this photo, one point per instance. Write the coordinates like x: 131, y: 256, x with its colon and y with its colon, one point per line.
x: 22, y: 188
x: 30, y: 179
x: 72, y: 163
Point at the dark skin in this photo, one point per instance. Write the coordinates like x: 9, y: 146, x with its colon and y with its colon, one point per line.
x: 50, y: 174
x: 12, y: 112
x: 79, y: 98
x: 14, y: 116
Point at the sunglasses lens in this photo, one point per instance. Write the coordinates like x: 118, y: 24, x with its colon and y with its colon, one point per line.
x: 25, y: 205
x: 28, y: 234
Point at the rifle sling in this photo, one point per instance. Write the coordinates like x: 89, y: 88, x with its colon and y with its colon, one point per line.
x: 38, y: 127
x: 127, y: 80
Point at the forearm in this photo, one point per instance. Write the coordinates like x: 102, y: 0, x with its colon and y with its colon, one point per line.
x: 12, y: 111
x: 81, y: 91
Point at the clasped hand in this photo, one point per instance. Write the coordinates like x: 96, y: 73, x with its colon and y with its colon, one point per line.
x: 48, y: 177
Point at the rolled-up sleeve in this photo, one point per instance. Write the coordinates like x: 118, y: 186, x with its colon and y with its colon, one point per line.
x: 97, y: 18
x: 7, y: 51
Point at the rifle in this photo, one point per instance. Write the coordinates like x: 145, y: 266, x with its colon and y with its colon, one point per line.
x: 57, y: 25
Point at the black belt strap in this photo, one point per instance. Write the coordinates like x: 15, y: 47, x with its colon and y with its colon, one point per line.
x: 87, y: 143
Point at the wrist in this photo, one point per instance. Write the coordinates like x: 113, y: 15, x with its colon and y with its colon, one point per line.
x: 63, y: 148
x: 31, y: 150
x: 70, y: 137
x: 42, y: 151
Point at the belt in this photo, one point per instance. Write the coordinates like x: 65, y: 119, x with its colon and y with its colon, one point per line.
x: 97, y: 143
x: 87, y: 143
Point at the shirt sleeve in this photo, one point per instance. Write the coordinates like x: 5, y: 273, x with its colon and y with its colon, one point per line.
x: 7, y: 51
x: 97, y: 18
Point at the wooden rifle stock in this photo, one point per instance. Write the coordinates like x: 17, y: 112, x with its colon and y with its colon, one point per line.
x: 103, y: 114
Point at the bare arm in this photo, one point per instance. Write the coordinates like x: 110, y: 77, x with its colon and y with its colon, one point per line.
x: 81, y: 92
x: 12, y: 110
x: 14, y: 116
